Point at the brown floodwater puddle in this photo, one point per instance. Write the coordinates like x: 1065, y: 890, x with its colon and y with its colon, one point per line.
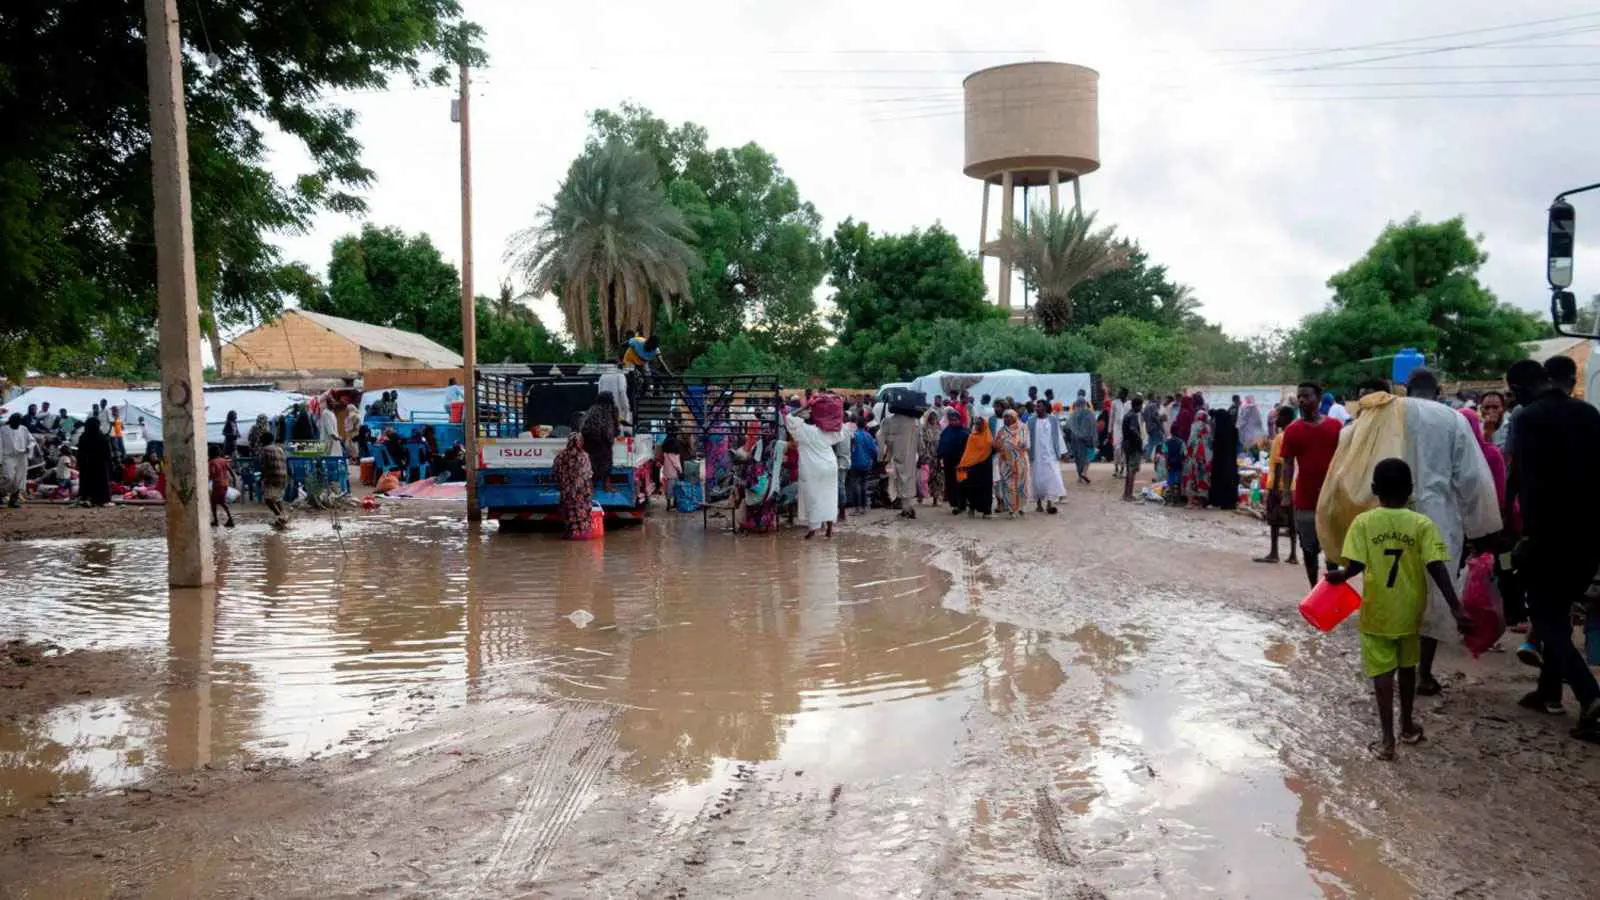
x: 313, y: 642
x: 857, y: 659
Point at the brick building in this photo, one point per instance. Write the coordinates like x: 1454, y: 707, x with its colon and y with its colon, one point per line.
x: 301, y: 345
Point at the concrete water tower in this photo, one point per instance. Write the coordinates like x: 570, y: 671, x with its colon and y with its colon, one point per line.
x: 1029, y: 125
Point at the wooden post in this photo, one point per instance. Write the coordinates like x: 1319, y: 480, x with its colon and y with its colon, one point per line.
x: 183, y: 405
x: 1005, y: 240
x: 469, y: 317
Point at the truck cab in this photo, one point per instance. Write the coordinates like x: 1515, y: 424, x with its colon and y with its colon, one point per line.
x: 525, y: 415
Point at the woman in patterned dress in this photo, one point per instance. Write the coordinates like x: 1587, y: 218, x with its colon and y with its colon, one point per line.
x: 574, y: 476
x: 1011, y: 477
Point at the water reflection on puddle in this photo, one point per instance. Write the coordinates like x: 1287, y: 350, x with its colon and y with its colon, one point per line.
x: 1115, y: 742
x: 714, y: 648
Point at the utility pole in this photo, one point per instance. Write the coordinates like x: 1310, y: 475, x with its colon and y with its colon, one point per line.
x: 183, y: 416
x: 469, y: 318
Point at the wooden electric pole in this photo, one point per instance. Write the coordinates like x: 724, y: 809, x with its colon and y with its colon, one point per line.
x: 183, y: 416
x: 469, y: 319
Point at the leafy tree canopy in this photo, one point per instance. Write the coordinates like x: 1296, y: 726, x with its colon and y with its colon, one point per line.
x: 888, y: 291
x: 1139, y: 290
x: 1417, y: 287
x: 739, y: 355
x: 1057, y: 251
x: 611, y: 246
x: 992, y: 343
x: 77, y: 257
x: 1140, y: 355
x: 386, y: 277
x: 760, y: 243
x: 516, y: 339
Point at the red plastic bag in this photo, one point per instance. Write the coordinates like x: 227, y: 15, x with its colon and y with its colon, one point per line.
x: 1480, y: 600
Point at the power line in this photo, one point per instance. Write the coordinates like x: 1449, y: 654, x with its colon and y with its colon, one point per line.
x: 1445, y: 49
x: 1432, y: 37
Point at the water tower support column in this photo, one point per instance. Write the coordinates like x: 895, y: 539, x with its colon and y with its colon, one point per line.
x: 1055, y: 190
x: 983, y: 222
x: 1005, y: 240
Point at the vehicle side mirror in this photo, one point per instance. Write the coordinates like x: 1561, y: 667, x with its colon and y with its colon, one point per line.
x: 1562, y: 236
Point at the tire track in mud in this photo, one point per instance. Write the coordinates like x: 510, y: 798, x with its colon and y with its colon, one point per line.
x: 577, y: 750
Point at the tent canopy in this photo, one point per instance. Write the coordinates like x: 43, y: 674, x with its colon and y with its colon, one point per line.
x: 1266, y: 396
x: 146, y: 404
x: 1003, y: 383
x: 411, y: 400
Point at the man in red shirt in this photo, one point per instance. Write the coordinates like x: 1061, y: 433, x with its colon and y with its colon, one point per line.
x: 1308, y: 446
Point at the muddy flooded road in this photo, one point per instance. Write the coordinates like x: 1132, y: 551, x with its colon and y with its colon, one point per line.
x: 1113, y: 702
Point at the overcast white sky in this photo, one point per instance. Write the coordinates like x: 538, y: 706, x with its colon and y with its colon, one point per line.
x: 1251, y: 183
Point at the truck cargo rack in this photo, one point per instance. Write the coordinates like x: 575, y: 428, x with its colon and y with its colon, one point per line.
x: 509, y: 397
x: 706, y: 405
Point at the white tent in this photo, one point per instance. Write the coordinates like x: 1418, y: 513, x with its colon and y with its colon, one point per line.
x: 146, y: 404
x: 1003, y: 383
x: 247, y: 403
x: 76, y: 401
x: 1266, y: 396
x: 411, y: 400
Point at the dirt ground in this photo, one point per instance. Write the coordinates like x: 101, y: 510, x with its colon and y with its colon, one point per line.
x: 1142, y: 713
x: 34, y: 677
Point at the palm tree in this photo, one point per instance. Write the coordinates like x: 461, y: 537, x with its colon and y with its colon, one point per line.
x: 508, y: 306
x: 609, y: 240
x: 1058, y: 250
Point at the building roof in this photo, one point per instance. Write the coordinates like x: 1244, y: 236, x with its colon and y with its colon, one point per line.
x: 1556, y: 346
x: 386, y: 340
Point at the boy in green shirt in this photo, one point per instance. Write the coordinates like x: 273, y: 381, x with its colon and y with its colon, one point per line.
x: 1400, y: 549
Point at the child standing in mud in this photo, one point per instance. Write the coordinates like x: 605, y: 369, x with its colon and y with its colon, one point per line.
x: 274, y: 479
x: 1400, y: 549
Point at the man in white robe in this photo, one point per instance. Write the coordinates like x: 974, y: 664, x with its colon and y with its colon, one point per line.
x: 1119, y: 408
x: 1046, y: 448
x: 819, y: 474
x: 1454, y: 487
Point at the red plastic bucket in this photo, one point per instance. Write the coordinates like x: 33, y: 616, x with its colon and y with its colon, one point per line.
x: 1329, y: 604
x: 458, y: 409
x: 597, y: 526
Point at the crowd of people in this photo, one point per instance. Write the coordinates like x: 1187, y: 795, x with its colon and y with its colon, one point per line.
x: 1420, y: 484
x: 53, y: 455
x: 1452, y: 480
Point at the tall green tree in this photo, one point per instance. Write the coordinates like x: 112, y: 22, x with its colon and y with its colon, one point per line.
x: 760, y: 244
x: 387, y: 277
x: 1140, y: 355
x: 1417, y: 287
x: 77, y: 261
x: 509, y: 331
x: 610, y: 246
x: 1138, y: 290
x: 516, y: 339
x: 989, y: 344
x: 1058, y: 250
x: 889, y: 290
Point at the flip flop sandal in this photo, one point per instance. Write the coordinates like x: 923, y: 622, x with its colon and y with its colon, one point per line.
x: 1413, y: 738
x: 1379, y: 752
